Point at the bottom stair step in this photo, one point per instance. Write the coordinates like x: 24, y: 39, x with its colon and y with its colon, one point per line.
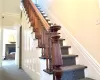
x: 73, y: 67
x: 86, y: 79
x: 74, y: 72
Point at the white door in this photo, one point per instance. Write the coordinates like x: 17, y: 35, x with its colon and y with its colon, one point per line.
x: 18, y: 47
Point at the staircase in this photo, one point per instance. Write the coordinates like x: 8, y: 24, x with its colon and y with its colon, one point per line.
x: 64, y: 66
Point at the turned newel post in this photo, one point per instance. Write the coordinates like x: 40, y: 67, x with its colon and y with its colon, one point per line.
x: 56, y: 57
x: 56, y: 51
x: 52, y: 31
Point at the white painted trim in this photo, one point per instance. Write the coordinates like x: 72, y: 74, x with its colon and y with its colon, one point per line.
x: 38, y: 73
x: 95, y: 65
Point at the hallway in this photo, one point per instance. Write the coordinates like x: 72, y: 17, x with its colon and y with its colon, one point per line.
x: 9, y: 71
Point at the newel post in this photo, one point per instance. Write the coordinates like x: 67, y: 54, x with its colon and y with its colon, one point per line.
x: 56, y: 58
x: 53, y: 31
x: 48, y: 47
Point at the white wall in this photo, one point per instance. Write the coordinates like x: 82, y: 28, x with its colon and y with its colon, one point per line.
x: 12, y: 6
x: 14, y: 20
x: 44, y: 75
x: 30, y: 54
x: 0, y: 7
x: 11, y: 12
x: 81, y: 18
x: 80, y: 21
x: 0, y: 32
x: 1, y: 40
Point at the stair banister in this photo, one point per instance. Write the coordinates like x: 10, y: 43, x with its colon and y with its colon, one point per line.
x: 44, y: 22
x: 47, y: 37
x: 56, y: 58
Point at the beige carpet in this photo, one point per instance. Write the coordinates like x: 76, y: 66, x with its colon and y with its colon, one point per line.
x: 9, y: 71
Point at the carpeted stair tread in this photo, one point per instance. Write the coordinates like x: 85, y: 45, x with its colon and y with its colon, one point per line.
x: 86, y: 79
x: 36, y: 5
x: 65, y: 46
x: 50, y: 23
x: 65, y: 50
x: 47, y: 19
x: 44, y: 15
x: 73, y: 67
x: 39, y: 7
x: 42, y: 11
x: 69, y: 60
x: 69, y: 56
x: 61, y: 39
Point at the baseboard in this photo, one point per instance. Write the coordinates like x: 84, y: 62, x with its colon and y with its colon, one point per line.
x: 88, y: 58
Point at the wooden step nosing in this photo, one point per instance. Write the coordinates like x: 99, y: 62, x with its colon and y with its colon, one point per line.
x: 75, y: 67
x: 61, y: 39
x: 69, y: 56
x: 65, y: 46
x: 86, y: 79
x: 64, y: 70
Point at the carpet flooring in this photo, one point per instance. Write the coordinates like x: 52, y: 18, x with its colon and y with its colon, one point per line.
x: 9, y: 71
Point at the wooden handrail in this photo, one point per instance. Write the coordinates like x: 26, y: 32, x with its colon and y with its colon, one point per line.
x: 44, y: 22
x: 47, y: 37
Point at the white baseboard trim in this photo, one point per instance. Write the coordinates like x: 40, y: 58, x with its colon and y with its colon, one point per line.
x: 95, y: 65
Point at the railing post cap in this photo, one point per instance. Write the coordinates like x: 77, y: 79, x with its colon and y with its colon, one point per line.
x: 55, y: 28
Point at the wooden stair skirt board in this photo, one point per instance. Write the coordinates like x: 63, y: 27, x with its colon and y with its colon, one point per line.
x: 69, y: 69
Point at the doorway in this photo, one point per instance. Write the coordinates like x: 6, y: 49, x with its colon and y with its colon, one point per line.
x: 11, y: 46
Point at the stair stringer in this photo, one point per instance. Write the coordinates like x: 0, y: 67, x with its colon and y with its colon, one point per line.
x: 93, y: 70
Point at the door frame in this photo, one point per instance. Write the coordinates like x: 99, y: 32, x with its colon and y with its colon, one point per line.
x: 18, y: 56
x: 20, y: 48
